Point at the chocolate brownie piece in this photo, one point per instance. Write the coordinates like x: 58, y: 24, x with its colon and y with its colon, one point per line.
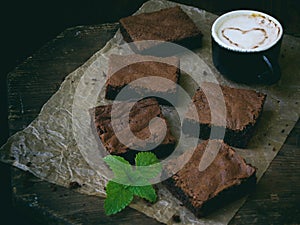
x: 227, y: 178
x: 141, y: 114
x: 171, y: 25
x: 243, y: 110
x: 123, y: 70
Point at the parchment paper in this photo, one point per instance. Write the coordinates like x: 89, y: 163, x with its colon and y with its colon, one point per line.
x: 49, y: 142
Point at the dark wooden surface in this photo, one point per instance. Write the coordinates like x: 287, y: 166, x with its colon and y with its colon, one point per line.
x: 275, y: 201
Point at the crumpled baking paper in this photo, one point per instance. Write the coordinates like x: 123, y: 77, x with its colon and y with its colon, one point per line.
x: 52, y: 142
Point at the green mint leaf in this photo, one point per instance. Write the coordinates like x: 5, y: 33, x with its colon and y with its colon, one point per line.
x: 121, y: 168
x: 116, y: 162
x: 145, y: 159
x: 139, y: 180
x: 148, y: 165
x: 146, y: 192
x: 118, y: 197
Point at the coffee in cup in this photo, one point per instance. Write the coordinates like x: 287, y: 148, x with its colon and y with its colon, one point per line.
x: 246, y: 46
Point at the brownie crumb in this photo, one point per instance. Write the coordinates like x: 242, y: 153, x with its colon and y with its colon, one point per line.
x: 74, y: 185
x: 53, y: 187
x: 176, y: 218
x: 148, y: 203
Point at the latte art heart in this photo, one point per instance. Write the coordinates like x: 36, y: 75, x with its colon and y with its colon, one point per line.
x: 246, y: 39
x: 247, y: 32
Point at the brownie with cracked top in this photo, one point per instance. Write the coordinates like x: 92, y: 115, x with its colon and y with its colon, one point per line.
x: 226, y: 179
x: 161, y: 77
x: 242, y: 111
x: 141, y: 114
x: 170, y: 25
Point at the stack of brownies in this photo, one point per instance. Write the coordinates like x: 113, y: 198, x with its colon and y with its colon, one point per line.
x: 228, y: 176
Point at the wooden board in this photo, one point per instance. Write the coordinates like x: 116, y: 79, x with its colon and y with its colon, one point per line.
x: 33, y: 82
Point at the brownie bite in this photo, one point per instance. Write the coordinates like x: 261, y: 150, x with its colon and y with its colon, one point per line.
x: 124, y: 70
x: 171, y: 25
x: 227, y: 178
x: 141, y: 113
x: 243, y: 110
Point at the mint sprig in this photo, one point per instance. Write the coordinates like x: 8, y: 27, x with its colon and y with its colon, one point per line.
x: 129, y: 182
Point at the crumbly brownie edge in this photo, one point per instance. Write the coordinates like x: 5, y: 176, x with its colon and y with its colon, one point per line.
x: 161, y: 152
x: 112, y: 92
x: 239, y: 139
x: 163, y: 49
x: 128, y: 39
x: 191, y: 42
x: 124, y: 33
x: 190, y: 128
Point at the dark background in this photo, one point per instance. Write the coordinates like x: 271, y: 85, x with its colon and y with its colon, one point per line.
x: 27, y: 25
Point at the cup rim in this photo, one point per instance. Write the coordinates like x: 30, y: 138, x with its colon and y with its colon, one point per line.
x: 224, y: 45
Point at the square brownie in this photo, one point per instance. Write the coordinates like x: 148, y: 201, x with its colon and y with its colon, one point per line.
x: 141, y: 114
x: 227, y: 178
x: 123, y: 70
x: 170, y: 25
x: 243, y: 110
